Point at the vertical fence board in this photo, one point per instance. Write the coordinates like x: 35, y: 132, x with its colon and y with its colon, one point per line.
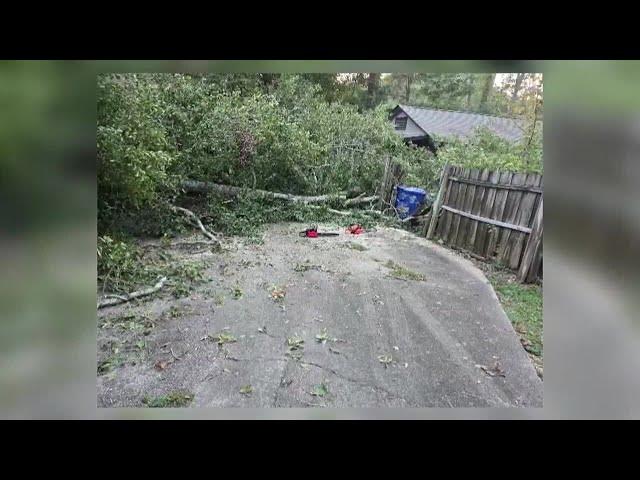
x: 510, y: 211
x: 468, y: 204
x: 476, y: 209
x: 462, y: 191
x: 384, y: 187
x: 444, y: 215
x: 485, y: 211
x: 535, y: 271
x: 435, y: 210
x: 533, y: 244
x: 453, y: 200
x: 497, y: 213
x: 518, y: 240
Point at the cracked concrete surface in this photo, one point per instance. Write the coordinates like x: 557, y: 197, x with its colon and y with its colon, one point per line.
x: 437, y: 331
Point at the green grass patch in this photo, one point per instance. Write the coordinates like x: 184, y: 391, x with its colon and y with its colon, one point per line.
x: 219, y: 300
x: 523, y: 305
x: 356, y: 246
x: 223, y: 338
x: 172, y: 400
x: 236, y: 292
x: 402, y: 273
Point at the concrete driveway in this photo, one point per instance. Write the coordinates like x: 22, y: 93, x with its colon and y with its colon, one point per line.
x: 435, y: 337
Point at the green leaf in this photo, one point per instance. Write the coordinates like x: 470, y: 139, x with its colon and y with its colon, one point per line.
x: 320, y: 390
x: 385, y: 359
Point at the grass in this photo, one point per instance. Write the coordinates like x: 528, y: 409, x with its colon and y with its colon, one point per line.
x: 222, y: 338
x: 130, y: 322
x: 356, y: 246
x: 523, y: 305
x: 123, y: 266
x: 110, y: 364
x: 402, y: 273
x: 171, y: 400
x: 237, y: 292
x: 295, y: 343
x: 219, y: 300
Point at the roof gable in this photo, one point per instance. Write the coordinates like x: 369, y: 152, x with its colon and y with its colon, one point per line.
x: 448, y: 123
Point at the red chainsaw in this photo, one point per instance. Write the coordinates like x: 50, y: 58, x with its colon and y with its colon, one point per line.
x: 313, y: 233
x: 355, y: 229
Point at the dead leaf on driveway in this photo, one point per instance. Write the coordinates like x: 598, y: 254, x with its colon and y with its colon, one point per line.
x: 495, y: 371
x: 385, y: 360
x: 160, y: 365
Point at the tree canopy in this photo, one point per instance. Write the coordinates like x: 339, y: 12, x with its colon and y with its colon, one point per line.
x: 306, y: 134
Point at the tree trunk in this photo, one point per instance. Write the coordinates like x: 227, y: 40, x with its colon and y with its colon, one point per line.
x: 407, y: 91
x: 372, y: 89
x: 533, y: 131
x: 516, y: 87
x: 230, y: 191
x: 486, y: 92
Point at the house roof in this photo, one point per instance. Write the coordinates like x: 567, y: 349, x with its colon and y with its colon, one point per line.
x: 462, y: 124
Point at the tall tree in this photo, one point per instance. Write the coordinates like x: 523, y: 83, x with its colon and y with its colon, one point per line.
x: 486, y: 92
x: 407, y: 90
x: 373, y: 87
x: 447, y: 90
x: 517, y: 85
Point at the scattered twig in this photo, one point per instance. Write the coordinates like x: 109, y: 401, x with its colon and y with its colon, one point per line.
x: 495, y: 371
x: 133, y: 295
x: 113, y: 295
x: 179, y: 244
x: 195, y: 218
x: 174, y: 355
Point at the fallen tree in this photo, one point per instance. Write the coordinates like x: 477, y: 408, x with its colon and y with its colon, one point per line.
x: 110, y: 300
x: 346, y: 213
x: 230, y: 191
x: 361, y: 199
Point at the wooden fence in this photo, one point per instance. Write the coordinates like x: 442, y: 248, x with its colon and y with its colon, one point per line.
x: 393, y: 175
x: 493, y: 215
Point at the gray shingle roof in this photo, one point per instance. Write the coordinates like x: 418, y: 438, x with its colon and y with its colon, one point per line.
x: 462, y: 124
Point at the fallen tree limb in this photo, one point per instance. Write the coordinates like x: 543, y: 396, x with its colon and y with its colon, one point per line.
x: 346, y: 213
x: 337, y: 212
x: 133, y: 295
x: 195, y: 218
x: 179, y: 244
x: 227, y: 190
x: 358, y: 200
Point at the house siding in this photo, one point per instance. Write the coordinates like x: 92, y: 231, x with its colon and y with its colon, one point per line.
x: 412, y: 130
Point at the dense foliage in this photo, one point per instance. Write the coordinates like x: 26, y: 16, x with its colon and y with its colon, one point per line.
x: 305, y: 134
x: 154, y: 130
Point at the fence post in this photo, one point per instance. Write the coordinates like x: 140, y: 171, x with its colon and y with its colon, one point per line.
x: 438, y: 201
x: 385, y: 181
x: 533, y: 243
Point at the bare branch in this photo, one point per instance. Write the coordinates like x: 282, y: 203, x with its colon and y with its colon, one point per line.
x: 107, y: 302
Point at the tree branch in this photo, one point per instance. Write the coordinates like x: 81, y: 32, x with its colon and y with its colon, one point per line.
x: 195, y: 218
x: 107, y: 302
